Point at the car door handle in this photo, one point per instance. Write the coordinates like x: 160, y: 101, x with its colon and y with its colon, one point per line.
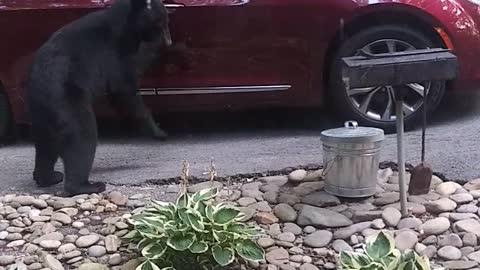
x: 174, y: 5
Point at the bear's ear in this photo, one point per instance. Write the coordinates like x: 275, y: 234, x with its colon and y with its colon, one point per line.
x: 138, y: 4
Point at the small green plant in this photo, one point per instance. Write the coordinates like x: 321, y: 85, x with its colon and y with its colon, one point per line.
x: 193, y: 233
x: 381, y: 254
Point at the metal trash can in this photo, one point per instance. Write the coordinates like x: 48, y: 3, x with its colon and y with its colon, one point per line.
x: 351, y: 156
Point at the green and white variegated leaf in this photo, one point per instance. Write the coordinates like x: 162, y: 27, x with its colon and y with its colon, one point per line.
x: 223, y: 216
x: 181, y: 241
x: 201, y: 208
x: 195, y: 219
x: 408, y: 265
x: 220, y: 236
x: 143, y: 243
x: 167, y: 209
x: 147, y: 265
x: 170, y: 225
x: 223, y: 256
x: 182, y: 214
x: 380, y: 246
x: 154, y: 251
x: 168, y: 268
x: 154, y: 222
x: 183, y: 201
x: 209, y: 210
x: 204, y: 195
x: 422, y: 263
x: 198, y: 247
x: 250, y: 251
x: 348, y: 261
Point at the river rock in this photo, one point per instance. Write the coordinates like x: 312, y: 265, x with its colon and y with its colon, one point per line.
x: 96, y: 251
x: 318, y: 239
x: 470, y: 239
x: 50, y: 244
x: 409, y: 223
x: 391, y: 216
x: 436, y: 226
x: 447, y: 188
x: 406, y: 240
x: 449, y: 253
x: 293, y: 228
x: 468, y: 225
x: 461, y: 198
x: 87, y: 240
x: 321, y: 199
x: 310, y: 215
x: 6, y: 260
x: 96, y: 266
x: 297, y: 176
x: 62, y: 218
x: 467, y: 208
x: 459, y: 265
x: 277, y: 256
x: 287, y: 198
x: 345, y: 233
x: 52, y: 263
x: 441, y: 205
x: 285, y: 212
x: 450, y: 240
x: 387, y: 198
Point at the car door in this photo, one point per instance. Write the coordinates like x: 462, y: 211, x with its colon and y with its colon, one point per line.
x: 237, y: 47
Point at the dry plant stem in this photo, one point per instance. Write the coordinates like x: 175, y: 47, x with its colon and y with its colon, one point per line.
x: 185, y: 174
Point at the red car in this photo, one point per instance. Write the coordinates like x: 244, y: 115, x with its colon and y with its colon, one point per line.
x: 258, y: 53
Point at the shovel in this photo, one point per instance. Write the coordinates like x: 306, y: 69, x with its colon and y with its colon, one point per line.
x: 422, y: 174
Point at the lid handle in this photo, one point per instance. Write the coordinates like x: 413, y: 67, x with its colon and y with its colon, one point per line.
x: 351, y: 124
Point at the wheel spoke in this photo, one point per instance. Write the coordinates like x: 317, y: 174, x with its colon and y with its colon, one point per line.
x: 388, y: 109
x: 366, y: 101
x: 418, y: 88
x: 407, y: 109
x: 360, y: 91
x: 391, y: 45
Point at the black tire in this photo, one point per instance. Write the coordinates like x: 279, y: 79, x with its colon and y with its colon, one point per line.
x: 5, y: 117
x: 347, y: 108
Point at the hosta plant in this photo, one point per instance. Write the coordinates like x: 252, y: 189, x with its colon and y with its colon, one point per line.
x: 380, y: 254
x: 193, y: 233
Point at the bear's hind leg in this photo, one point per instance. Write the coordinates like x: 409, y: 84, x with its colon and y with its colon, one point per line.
x: 78, y: 153
x: 46, y: 156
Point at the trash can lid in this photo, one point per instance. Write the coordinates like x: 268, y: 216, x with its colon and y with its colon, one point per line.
x: 352, y: 133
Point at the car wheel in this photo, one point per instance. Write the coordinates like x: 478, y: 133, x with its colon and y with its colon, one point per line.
x: 4, y: 116
x: 374, y: 106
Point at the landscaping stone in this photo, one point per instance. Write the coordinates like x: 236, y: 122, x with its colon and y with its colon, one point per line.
x: 447, y: 188
x: 406, y: 240
x: 391, y: 216
x: 321, y: 199
x: 297, y: 176
x: 449, y: 253
x: 87, y: 241
x: 436, y: 226
x: 450, y: 240
x: 318, y: 239
x: 441, y: 205
x: 310, y: 215
x: 285, y: 212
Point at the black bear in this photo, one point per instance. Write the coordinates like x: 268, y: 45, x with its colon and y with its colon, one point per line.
x: 89, y: 57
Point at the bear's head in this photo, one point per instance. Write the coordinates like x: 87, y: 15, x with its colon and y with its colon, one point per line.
x: 150, y: 19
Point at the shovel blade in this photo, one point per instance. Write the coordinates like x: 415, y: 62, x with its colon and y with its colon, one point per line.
x: 420, y: 179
